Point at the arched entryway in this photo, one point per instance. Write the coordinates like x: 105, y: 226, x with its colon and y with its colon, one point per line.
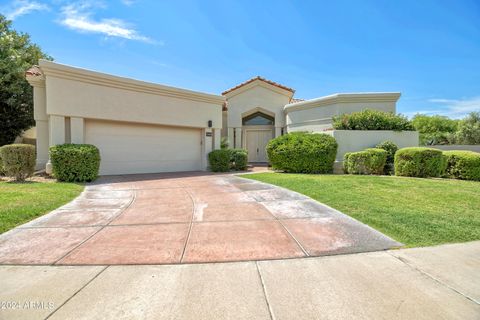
x: 258, y: 129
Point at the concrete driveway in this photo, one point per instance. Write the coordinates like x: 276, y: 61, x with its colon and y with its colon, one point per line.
x: 186, y: 218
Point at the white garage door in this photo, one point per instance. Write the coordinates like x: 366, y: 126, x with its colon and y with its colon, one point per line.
x: 137, y: 148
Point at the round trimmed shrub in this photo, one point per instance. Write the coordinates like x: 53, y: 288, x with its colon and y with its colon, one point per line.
x: 391, y: 148
x: 419, y: 162
x: 463, y: 164
x: 239, y: 159
x: 75, y: 162
x: 219, y: 160
x: 18, y: 160
x: 303, y: 152
x: 368, y: 161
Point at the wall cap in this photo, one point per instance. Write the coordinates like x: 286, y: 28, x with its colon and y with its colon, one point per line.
x: 364, y: 97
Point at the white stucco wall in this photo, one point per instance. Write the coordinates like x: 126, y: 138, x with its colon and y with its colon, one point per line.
x: 357, y: 140
x: 257, y: 96
x: 65, y: 98
x: 86, y: 94
x: 316, y: 114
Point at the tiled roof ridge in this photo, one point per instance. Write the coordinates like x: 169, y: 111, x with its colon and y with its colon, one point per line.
x: 273, y: 83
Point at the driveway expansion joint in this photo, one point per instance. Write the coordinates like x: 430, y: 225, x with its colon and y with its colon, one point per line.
x: 264, y: 290
x: 76, y: 292
x: 431, y: 277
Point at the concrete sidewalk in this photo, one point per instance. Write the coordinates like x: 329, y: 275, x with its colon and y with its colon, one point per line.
x: 426, y: 283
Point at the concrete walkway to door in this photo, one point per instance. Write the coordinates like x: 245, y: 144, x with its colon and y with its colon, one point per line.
x: 186, y: 218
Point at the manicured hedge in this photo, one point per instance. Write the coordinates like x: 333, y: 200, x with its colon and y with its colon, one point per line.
x: 419, y: 162
x: 225, y: 159
x: 372, y: 120
x: 219, y: 160
x: 391, y: 148
x: 2, y: 171
x: 18, y: 160
x: 463, y: 164
x: 303, y: 152
x: 75, y: 162
x: 368, y: 161
x: 239, y: 159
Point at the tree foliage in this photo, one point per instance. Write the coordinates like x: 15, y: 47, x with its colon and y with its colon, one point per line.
x: 469, y: 129
x: 435, y: 129
x: 17, y: 54
x: 369, y: 119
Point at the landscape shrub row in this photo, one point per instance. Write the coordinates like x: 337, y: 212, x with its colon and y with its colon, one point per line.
x: 372, y: 120
x: 414, y: 162
x: 368, y: 161
x: 419, y: 162
x: 463, y: 165
x: 224, y: 160
x: 301, y: 152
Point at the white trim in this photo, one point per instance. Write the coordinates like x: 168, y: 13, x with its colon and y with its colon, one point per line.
x: 258, y: 109
x: 87, y: 76
x: 343, y: 98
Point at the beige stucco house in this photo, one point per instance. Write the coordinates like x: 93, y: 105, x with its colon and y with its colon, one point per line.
x: 143, y: 127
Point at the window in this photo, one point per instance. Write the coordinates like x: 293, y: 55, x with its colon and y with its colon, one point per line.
x: 258, y: 119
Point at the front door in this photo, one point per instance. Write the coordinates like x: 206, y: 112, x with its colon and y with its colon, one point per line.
x: 257, y: 141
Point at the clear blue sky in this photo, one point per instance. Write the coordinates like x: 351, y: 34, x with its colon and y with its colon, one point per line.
x: 427, y: 50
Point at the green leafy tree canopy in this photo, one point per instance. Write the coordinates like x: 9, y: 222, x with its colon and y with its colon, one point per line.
x: 469, y: 129
x: 434, y: 129
x: 17, y: 54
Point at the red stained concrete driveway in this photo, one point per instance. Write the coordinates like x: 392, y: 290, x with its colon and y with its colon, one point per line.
x: 186, y: 218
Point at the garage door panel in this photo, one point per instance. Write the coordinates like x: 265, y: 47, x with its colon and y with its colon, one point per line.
x: 137, y: 148
x: 128, y: 167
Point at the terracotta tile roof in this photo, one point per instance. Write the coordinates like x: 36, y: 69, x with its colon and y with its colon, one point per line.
x: 294, y: 100
x: 261, y: 79
x: 34, y: 71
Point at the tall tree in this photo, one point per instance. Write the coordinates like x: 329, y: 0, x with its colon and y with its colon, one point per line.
x: 434, y: 129
x: 17, y: 54
x: 469, y: 129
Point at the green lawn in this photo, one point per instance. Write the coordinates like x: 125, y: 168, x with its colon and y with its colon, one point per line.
x: 22, y: 202
x: 417, y: 212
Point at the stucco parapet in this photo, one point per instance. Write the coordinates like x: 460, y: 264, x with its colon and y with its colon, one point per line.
x: 343, y: 98
x: 92, y: 77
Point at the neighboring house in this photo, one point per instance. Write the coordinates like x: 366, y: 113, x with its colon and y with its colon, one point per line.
x: 142, y: 127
